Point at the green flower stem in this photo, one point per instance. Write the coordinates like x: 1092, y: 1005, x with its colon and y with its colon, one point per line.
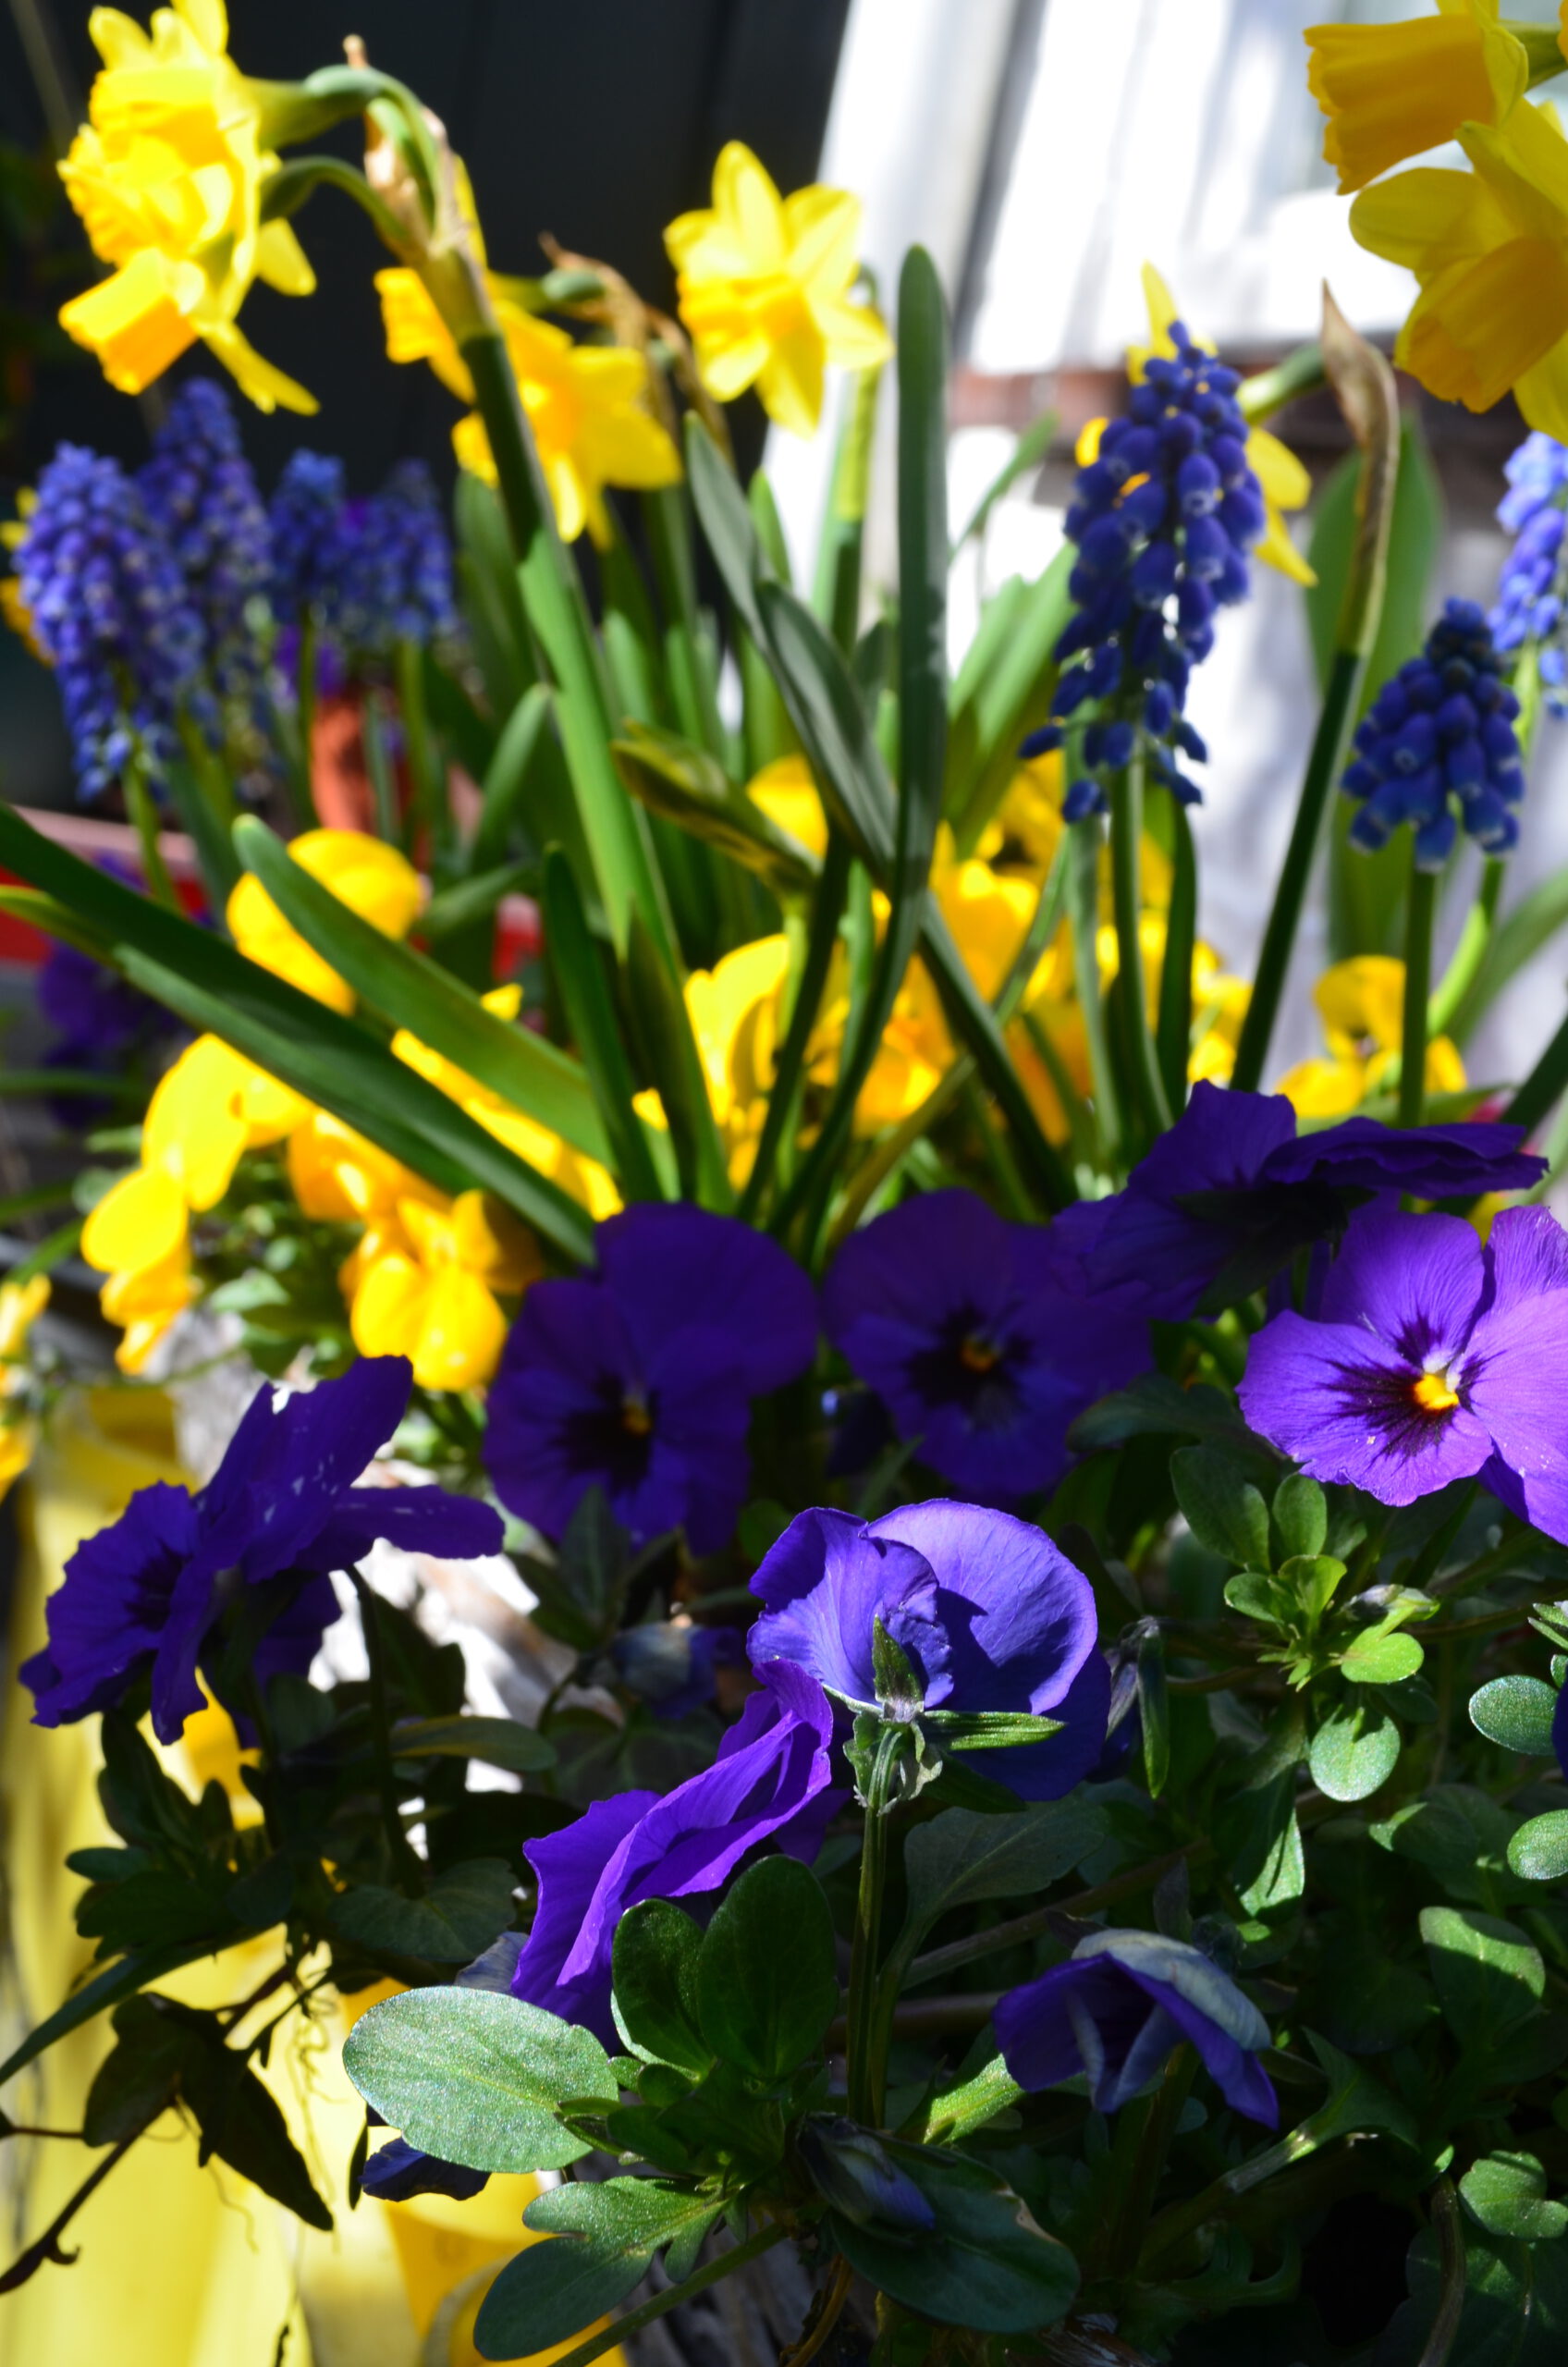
x: 1173, y: 1026
x: 1300, y: 373
x: 144, y: 820
x: 869, y: 2024
x: 1470, y: 953
x: 613, y: 825
x: 1420, y: 913
x: 789, y: 1079
x: 305, y: 720
x: 1126, y: 845
x: 1084, y: 888
x: 835, y: 596
x: 1543, y: 1086
x: 429, y: 787
x: 1143, y: 2140
x: 667, y: 519
x: 1324, y: 765
x: 644, y: 2315
x: 1452, y: 2274
x: 405, y: 1863
x: 938, y: 1961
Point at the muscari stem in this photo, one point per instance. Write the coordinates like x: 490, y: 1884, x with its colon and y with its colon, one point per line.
x: 144, y: 820
x: 1420, y: 912
x: 429, y: 800
x: 1126, y: 837
x: 1329, y: 746
x: 305, y: 720
x: 1086, y: 897
x: 1464, y: 967
x: 405, y: 1864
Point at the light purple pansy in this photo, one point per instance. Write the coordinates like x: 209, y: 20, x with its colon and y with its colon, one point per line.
x: 991, y: 1615
x: 1430, y: 1358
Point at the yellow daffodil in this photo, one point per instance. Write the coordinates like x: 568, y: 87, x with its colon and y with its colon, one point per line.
x: 1490, y: 251
x: 1390, y: 91
x: 362, y: 872
x: 167, y: 176
x: 209, y: 1108
x: 589, y: 409
x: 1281, y: 479
x: 787, y: 794
x: 736, y: 1009
x: 339, y: 1178
x: 586, y: 1181
x: 22, y: 1304
x: 1361, y: 1003
x: 426, y: 1287
x: 763, y: 285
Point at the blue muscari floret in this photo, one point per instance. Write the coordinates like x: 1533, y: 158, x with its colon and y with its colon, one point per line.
x: 110, y: 609
x: 199, y: 487
x: 304, y: 518
x: 1530, y: 605
x: 1442, y: 730
x: 393, y: 568
x: 1163, y: 519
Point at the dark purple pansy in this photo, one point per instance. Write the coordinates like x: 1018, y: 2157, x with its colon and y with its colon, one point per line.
x: 1429, y: 1359
x: 986, y: 1610
x: 1117, y: 2009
x: 969, y: 1332
x: 639, y: 1378
x: 1231, y: 1192
x: 147, y: 1592
x: 771, y: 1786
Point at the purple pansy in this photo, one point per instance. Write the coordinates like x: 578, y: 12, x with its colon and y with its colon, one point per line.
x: 1429, y: 1359
x: 990, y: 1615
x: 968, y: 1330
x: 1231, y: 1192
x: 147, y: 1592
x: 772, y: 1784
x: 639, y: 1378
x: 1117, y: 2009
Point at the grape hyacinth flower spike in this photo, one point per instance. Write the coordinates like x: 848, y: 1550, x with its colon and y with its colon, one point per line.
x: 1164, y: 515
x: 1440, y: 732
x: 1531, y: 609
x: 199, y: 487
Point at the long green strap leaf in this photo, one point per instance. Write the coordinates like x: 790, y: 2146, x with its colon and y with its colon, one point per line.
x: 329, y: 1059
x: 412, y: 991
x: 591, y: 1017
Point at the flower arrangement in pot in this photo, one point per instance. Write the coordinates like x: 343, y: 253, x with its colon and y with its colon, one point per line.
x: 1045, y: 1805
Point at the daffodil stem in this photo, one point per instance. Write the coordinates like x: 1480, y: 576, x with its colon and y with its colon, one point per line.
x: 1330, y: 743
x: 144, y: 820
x: 1471, y: 951
x: 784, y: 1100
x: 429, y: 798
x: 1126, y: 837
x: 1300, y: 373
x: 1084, y: 888
x: 1420, y: 912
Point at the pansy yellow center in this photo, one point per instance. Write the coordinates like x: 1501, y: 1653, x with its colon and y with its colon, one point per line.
x: 1434, y: 1393
x: 635, y: 1418
x: 978, y: 1354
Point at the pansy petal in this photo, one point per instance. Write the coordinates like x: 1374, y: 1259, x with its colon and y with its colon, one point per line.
x: 1415, y: 1281
x: 1342, y: 1402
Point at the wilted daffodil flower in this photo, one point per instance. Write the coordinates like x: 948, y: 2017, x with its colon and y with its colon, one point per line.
x: 1117, y: 2011
x: 987, y: 1615
x: 1390, y: 92
x: 362, y: 872
x: 1362, y: 1005
x: 168, y: 176
x: 763, y: 285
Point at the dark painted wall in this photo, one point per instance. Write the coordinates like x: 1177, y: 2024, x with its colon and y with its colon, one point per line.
x: 597, y: 120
